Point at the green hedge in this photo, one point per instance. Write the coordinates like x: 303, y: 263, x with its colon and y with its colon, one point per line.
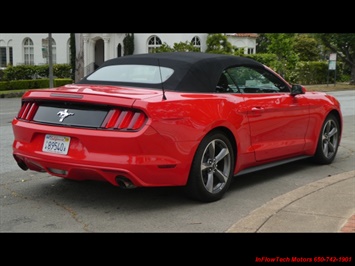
x: 317, y: 73
x: 266, y: 59
x: 23, y: 72
x: 32, y: 84
x: 306, y: 72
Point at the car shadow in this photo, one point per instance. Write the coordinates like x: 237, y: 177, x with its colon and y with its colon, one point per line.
x: 99, y: 206
x: 98, y: 194
x: 270, y: 174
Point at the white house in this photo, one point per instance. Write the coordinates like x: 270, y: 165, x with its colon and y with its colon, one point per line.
x: 26, y: 48
x: 247, y: 41
x: 99, y: 47
x: 32, y: 48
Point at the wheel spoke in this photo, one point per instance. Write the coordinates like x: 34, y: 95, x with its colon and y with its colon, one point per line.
x: 211, y: 149
x: 209, y: 183
x: 221, y: 177
x: 327, y: 127
x: 204, y: 166
x: 332, y: 132
x: 331, y: 147
x: 325, y: 148
x: 223, y: 153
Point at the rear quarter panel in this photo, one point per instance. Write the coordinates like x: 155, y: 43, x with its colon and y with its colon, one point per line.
x: 185, y: 119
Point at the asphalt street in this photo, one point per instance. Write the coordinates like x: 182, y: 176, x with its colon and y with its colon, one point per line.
x: 37, y: 202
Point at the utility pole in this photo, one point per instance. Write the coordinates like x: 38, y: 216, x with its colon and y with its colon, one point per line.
x: 50, y: 60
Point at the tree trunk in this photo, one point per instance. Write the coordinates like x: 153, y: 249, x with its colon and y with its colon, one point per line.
x: 352, y: 75
x: 79, y: 57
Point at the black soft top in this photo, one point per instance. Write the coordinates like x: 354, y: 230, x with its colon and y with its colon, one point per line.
x: 193, y: 71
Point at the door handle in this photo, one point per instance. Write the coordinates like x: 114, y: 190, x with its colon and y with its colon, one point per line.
x: 256, y: 109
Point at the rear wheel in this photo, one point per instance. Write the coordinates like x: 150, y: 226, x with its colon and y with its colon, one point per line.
x: 212, y: 168
x: 328, y: 142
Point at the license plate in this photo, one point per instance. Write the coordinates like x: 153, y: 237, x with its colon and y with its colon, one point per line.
x: 56, y: 144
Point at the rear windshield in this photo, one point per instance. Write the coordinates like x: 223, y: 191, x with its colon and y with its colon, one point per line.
x: 132, y: 73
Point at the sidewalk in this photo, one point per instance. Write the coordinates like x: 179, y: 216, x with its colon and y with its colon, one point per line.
x: 327, y: 205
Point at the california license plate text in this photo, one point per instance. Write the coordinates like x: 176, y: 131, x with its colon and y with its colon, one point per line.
x: 56, y: 144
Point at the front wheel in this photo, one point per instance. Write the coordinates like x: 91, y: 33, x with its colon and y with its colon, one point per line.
x: 212, y: 168
x: 328, y: 142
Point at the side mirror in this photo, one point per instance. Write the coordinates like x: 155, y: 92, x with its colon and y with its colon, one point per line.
x: 297, y: 89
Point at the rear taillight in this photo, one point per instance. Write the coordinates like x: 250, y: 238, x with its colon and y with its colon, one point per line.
x: 124, y: 120
x: 27, y: 111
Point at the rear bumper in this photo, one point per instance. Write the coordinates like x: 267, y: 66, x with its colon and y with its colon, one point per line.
x: 138, y: 174
x: 146, y: 158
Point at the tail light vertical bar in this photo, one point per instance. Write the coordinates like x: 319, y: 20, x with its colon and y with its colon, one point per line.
x: 124, y: 119
x: 27, y: 111
x: 31, y: 111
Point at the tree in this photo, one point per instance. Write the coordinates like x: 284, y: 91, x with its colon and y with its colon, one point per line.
x: 79, y: 57
x: 304, y: 45
x: 128, y: 44
x: 218, y: 44
x: 72, y: 55
x: 343, y: 44
x: 262, y: 43
x: 178, y: 47
x: 185, y: 47
x: 307, y: 47
x: 282, y: 45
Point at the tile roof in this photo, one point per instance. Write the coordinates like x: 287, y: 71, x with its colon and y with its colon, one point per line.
x: 251, y: 35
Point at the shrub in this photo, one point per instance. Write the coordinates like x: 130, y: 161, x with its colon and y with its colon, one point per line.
x: 62, y: 70
x: 23, y: 72
x: 19, y: 72
x: 32, y: 84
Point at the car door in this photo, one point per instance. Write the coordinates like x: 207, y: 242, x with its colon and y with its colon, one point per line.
x: 278, y: 121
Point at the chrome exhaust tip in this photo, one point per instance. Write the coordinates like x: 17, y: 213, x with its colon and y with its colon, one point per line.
x: 124, y: 182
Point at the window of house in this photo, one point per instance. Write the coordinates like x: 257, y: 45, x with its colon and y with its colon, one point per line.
x: 250, y: 50
x: 2, y: 56
x: 6, y: 57
x: 153, y: 42
x: 54, y: 53
x: 28, y: 52
x: 196, y: 42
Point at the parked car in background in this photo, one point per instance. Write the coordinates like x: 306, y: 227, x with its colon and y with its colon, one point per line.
x: 187, y: 119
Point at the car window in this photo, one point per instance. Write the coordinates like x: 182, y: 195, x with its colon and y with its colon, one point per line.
x: 255, y: 80
x: 226, y: 84
x: 132, y: 73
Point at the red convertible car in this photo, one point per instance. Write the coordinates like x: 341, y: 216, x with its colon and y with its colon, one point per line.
x: 187, y: 119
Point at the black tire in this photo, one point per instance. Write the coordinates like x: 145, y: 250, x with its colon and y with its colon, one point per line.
x: 212, y: 168
x: 328, y: 141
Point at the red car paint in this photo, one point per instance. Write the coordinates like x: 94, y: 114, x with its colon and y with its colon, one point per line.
x: 262, y: 127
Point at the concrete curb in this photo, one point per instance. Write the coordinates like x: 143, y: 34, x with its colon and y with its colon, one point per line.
x: 257, y: 218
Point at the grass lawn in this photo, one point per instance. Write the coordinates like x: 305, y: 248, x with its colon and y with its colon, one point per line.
x: 330, y: 87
